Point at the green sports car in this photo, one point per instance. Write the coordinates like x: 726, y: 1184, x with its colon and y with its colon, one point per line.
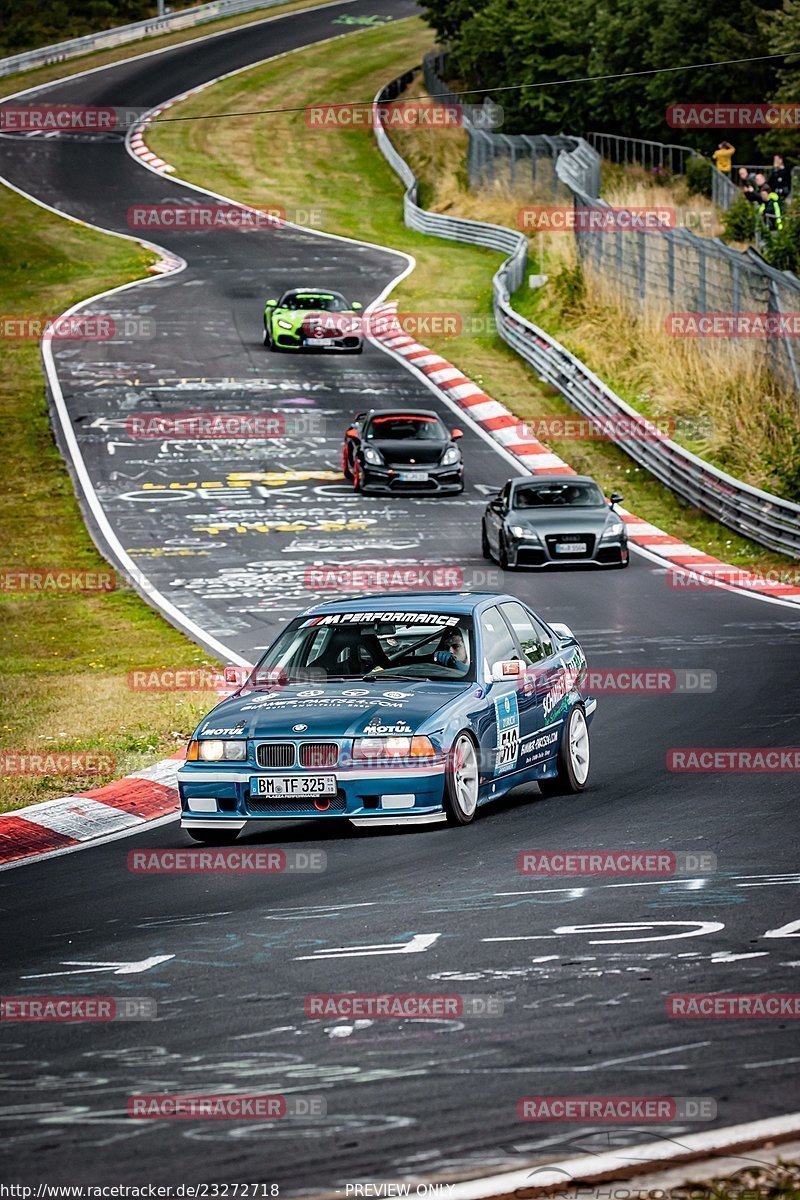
x: 305, y: 319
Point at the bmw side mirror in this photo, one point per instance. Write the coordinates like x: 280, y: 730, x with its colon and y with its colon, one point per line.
x: 271, y: 304
x: 506, y: 669
x: 456, y: 434
x: 616, y: 498
x: 562, y: 632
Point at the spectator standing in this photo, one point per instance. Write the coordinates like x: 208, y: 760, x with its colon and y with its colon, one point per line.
x: 754, y: 193
x: 723, y: 156
x: 769, y: 210
x: 780, y: 179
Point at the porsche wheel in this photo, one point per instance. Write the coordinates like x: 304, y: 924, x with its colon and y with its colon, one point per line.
x: 358, y: 476
x: 347, y: 470
x: 573, y: 758
x: 461, y: 781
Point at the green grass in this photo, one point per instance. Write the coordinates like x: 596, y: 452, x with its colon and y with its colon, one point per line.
x: 66, y: 655
x: 277, y: 159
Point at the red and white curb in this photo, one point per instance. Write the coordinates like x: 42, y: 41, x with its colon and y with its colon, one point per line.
x: 57, y: 826
x: 136, y: 142
x: 504, y: 428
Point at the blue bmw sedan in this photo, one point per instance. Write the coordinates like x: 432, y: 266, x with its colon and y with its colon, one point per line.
x: 389, y: 710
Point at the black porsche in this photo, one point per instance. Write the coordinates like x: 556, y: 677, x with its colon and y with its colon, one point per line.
x: 403, y: 450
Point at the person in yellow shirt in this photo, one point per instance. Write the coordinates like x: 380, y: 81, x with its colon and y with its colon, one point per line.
x: 723, y: 156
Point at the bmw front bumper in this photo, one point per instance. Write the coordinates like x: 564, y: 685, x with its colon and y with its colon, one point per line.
x: 215, y: 795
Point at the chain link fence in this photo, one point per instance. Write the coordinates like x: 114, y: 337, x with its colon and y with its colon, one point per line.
x: 670, y: 270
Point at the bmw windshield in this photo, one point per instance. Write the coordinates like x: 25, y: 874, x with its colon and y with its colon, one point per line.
x: 352, y: 645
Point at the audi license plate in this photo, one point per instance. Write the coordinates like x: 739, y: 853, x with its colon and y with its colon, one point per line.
x: 570, y: 547
x: 293, y: 785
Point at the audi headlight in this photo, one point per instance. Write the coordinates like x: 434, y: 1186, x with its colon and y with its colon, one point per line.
x: 284, y: 324
x: 614, y: 530
x: 529, y: 535
x: 452, y: 455
x: 214, y: 750
x: 372, y: 456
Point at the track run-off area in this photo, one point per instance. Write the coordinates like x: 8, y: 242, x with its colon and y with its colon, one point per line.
x: 222, y: 536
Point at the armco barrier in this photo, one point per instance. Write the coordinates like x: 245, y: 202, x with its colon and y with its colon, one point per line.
x: 764, y: 518
x: 105, y: 39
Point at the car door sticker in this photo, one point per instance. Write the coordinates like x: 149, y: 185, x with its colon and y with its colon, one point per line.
x: 507, y: 713
x: 537, y: 747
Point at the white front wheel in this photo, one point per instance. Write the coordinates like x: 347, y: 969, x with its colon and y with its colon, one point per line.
x: 572, y: 764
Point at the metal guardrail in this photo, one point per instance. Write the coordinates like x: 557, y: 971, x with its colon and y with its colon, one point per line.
x: 755, y: 514
x: 105, y: 39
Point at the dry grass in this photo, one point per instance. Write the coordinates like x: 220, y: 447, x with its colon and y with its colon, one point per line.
x: 720, y: 396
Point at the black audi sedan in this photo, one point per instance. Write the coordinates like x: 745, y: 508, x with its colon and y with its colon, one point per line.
x: 402, y: 450
x: 544, y: 520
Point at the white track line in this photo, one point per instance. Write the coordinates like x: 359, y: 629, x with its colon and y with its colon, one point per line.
x: 628, y: 1161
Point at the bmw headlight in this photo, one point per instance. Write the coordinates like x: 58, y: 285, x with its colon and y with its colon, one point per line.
x: 372, y: 456
x: 614, y: 530
x: 284, y: 324
x: 452, y: 455
x: 529, y: 535
x: 214, y: 750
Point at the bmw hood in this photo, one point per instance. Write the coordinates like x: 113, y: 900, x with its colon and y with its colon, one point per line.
x: 333, y: 710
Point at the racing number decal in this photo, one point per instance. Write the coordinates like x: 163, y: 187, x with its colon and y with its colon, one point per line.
x: 507, y: 713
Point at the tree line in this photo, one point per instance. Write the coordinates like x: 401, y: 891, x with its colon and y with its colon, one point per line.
x: 494, y: 43
x: 26, y: 24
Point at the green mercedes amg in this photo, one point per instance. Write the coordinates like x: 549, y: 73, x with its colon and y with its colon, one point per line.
x: 305, y: 319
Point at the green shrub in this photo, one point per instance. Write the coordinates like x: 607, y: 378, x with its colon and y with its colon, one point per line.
x: 782, y: 248
x: 740, y: 221
x: 570, y: 287
x: 783, y: 460
x: 698, y: 175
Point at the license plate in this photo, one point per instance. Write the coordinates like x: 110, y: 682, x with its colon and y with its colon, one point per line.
x: 414, y: 476
x: 293, y: 785
x: 570, y: 547
x: 312, y: 341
